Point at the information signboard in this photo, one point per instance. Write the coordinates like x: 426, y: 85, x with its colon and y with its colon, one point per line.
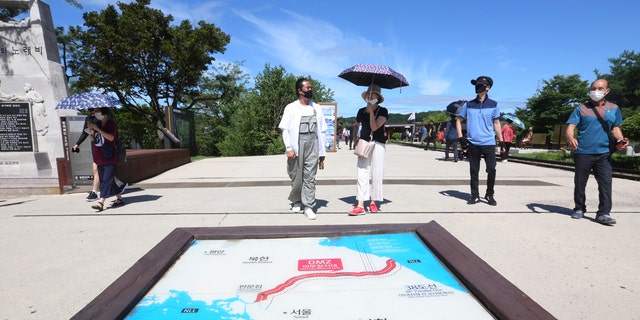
x: 330, y: 112
x: 15, y: 127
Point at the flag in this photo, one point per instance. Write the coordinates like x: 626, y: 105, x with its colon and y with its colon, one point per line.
x: 412, y: 116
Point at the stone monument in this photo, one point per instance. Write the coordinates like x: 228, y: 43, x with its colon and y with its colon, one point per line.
x: 32, y: 82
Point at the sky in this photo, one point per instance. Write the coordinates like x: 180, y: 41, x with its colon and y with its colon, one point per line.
x: 438, y: 46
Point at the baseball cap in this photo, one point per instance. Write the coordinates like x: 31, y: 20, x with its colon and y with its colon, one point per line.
x: 483, y: 80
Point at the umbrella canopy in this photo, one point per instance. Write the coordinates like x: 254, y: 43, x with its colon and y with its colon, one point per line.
x: 88, y: 100
x: 368, y: 74
x: 515, y: 120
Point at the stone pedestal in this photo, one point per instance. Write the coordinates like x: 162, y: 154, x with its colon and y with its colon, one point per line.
x: 31, y: 73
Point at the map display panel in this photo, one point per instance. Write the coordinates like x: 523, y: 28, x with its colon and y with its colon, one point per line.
x: 375, y: 276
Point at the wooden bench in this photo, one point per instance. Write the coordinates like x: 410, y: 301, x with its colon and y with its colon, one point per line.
x: 539, y: 139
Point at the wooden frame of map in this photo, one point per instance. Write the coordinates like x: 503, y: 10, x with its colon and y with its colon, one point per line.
x: 501, y: 298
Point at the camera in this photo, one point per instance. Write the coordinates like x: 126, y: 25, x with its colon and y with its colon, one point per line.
x: 622, y: 143
x: 93, y: 119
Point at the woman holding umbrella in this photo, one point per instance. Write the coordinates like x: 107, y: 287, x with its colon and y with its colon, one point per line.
x: 103, y: 138
x: 371, y: 119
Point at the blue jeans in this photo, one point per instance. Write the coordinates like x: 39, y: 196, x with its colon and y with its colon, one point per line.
x: 107, y: 173
x: 475, y: 153
x: 451, y: 143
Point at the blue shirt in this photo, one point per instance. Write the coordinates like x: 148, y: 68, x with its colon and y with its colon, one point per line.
x: 592, y: 139
x: 480, y: 116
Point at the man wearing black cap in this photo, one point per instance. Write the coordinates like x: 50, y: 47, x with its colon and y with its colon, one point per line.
x: 483, y: 125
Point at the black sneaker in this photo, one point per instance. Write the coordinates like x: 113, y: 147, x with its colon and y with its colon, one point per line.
x: 92, y: 196
x: 605, y: 219
x: 490, y: 200
x: 473, y: 200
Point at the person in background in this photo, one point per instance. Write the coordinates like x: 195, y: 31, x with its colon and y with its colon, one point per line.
x: 347, y: 137
x: 591, y: 149
x: 423, y: 135
x: 441, y: 136
x: 105, y: 155
x: 431, y: 135
x: 303, y: 133
x: 93, y: 194
x: 527, y: 137
x: 353, y: 134
x: 371, y: 120
x: 338, y: 135
x: 508, y: 134
x: 483, y: 125
x: 451, y: 139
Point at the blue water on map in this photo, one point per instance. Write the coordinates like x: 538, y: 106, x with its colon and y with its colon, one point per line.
x: 174, y: 307
x: 405, y: 249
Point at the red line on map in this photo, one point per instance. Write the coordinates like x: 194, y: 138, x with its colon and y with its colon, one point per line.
x: 279, y: 288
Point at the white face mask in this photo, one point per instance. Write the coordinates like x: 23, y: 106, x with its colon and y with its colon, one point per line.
x: 371, y: 101
x: 596, y: 95
x: 98, y: 115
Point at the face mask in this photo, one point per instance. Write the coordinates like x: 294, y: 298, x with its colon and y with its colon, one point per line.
x: 596, y: 95
x: 308, y: 94
x: 480, y: 88
x: 98, y: 115
x: 371, y: 101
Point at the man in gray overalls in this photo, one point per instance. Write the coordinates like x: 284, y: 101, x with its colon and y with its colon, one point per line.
x: 303, y: 132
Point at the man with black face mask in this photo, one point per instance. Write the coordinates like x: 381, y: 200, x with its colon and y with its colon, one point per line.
x: 303, y: 133
x: 483, y: 125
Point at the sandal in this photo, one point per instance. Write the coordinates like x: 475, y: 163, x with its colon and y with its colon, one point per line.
x: 98, y: 206
x: 117, y: 202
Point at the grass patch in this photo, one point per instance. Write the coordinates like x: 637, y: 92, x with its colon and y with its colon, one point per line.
x: 196, y: 158
x: 618, y: 160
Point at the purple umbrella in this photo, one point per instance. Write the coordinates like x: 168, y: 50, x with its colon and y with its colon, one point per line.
x: 368, y: 74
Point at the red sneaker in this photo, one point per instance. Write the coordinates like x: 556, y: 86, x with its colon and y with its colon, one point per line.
x: 373, y: 208
x: 357, y: 211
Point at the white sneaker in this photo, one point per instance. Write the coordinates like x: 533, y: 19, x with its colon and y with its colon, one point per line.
x: 297, y: 207
x: 505, y: 161
x: 309, y: 213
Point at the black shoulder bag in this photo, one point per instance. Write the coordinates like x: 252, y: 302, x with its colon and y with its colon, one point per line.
x: 612, y: 140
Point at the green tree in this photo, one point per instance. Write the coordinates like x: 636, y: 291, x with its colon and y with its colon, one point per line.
x: 223, y: 89
x: 68, y: 45
x: 147, y: 62
x: 631, y: 127
x: 555, y: 102
x: 436, y: 117
x: 254, y: 125
x: 624, y: 81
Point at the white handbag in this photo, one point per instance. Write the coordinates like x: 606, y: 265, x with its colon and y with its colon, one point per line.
x: 364, y: 148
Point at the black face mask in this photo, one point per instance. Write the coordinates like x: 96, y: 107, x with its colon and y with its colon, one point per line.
x: 480, y: 88
x: 308, y: 94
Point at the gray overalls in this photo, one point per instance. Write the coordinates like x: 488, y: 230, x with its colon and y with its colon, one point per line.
x: 302, y: 170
